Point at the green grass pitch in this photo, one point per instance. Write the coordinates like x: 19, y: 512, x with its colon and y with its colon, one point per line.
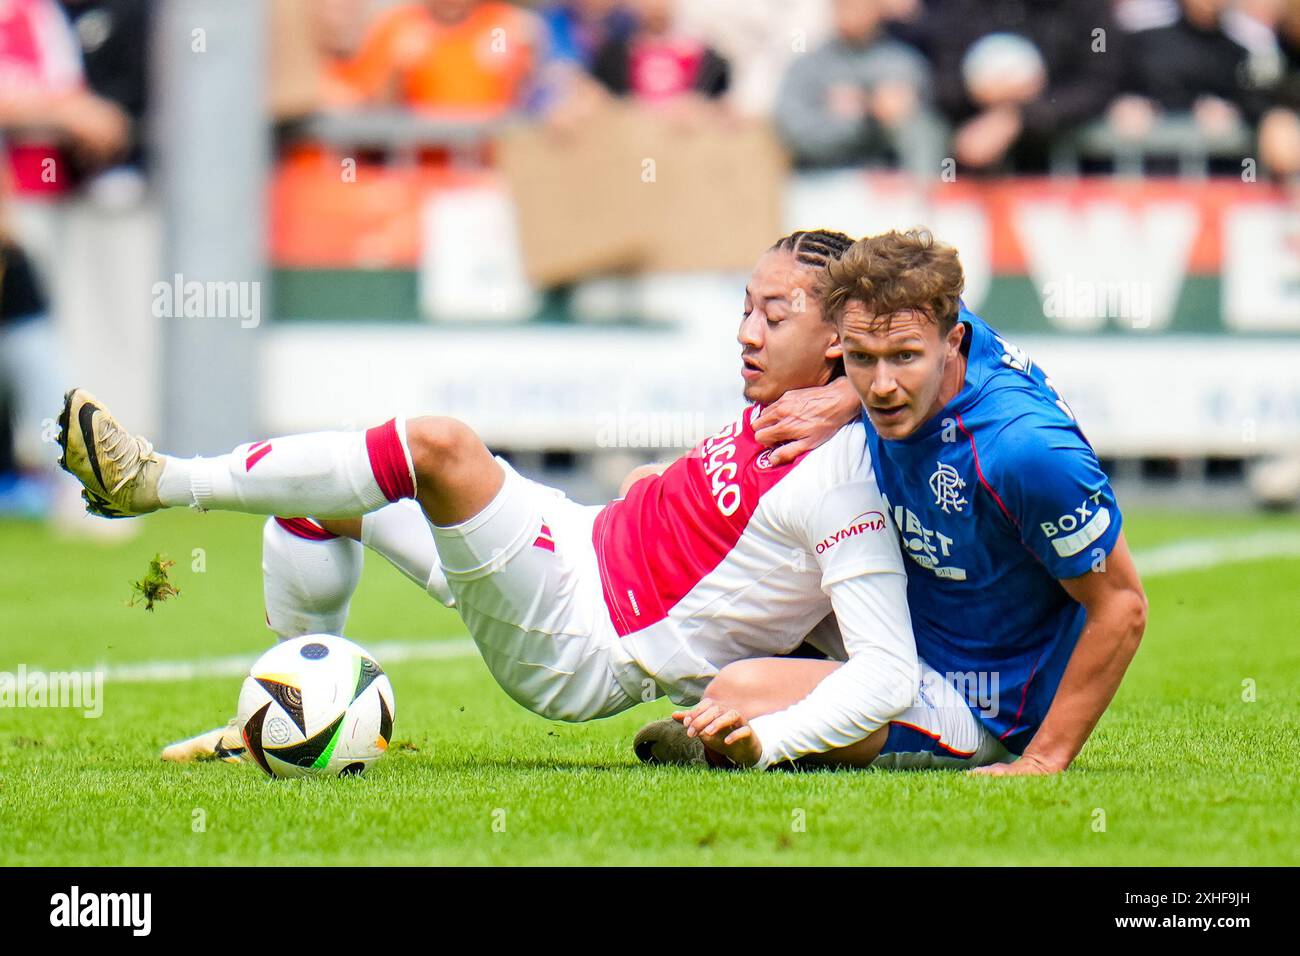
x: 1181, y: 770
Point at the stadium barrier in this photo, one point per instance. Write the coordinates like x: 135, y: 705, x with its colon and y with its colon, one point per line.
x: 1168, y: 310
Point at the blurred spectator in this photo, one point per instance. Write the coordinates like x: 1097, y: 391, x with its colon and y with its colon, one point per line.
x: 1253, y: 24
x: 910, y: 22
x: 73, y: 97
x: 859, y: 98
x: 29, y: 380
x: 53, y: 125
x: 1191, y: 66
x: 1134, y: 15
x: 575, y: 33
x: 578, y: 29
x: 1289, y: 36
x: 114, y: 40
x: 758, y: 38
x: 658, y: 63
x: 1003, y: 118
x: 471, y: 58
x: 337, y: 29
x: 1270, y: 32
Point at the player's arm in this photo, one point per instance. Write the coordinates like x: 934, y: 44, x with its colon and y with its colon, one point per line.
x: 639, y: 472
x: 877, y: 683
x: 1116, y: 610
x: 804, y: 418
x: 1066, y: 514
x: 849, y: 532
x: 783, y: 709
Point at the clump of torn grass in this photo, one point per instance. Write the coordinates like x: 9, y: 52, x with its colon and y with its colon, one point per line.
x: 154, y: 586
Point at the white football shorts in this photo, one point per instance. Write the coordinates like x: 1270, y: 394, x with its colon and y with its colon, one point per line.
x: 527, y: 585
x: 939, y: 730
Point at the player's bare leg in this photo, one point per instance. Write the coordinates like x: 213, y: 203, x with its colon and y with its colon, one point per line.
x: 764, y: 685
x: 456, y: 477
x: 343, y: 527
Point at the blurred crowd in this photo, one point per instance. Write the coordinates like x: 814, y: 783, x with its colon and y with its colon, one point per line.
x: 936, y: 87
x: 991, y: 85
x: 73, y: 221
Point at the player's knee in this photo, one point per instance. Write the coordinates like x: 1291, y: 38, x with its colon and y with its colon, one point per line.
x: 741, y: 684
x: 436, y: 441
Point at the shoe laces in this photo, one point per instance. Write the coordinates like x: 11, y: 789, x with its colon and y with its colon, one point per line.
x: 127, y: 452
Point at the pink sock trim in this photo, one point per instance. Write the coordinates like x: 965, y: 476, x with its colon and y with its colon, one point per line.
x: 305, y: 528
x: 388, y: 461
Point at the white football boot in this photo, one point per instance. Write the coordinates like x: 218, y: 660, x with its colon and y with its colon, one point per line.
x: 223, y: 743
x: 119, y: 471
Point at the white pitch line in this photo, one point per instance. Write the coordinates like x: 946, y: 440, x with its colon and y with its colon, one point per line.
x: 1206, y: 553
x: 236, y: 665
x: 1187, y: 555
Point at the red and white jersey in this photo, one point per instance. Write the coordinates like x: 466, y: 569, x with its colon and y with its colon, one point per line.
x: 725, y: 557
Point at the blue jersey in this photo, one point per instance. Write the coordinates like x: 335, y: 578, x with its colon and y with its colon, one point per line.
x: 996, y: 499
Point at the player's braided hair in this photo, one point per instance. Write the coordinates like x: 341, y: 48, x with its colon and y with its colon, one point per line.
x: 816, y: 248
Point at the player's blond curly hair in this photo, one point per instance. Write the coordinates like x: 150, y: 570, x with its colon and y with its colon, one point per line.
x: 896, y: 272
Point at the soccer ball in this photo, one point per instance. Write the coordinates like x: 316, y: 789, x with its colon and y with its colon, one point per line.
x: 316, y: 706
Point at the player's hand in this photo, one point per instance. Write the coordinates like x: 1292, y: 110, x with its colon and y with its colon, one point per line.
x: 804, y: 418
x: 1027, y: 765
x: 723, y: 730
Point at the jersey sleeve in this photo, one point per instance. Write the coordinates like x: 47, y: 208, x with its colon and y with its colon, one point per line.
x: 849, y: 532
x: 877, y: 682
x: 1059, y: 498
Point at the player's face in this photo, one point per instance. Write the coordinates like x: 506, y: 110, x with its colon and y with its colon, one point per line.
x: 784, y: 341
x: 904, y: 373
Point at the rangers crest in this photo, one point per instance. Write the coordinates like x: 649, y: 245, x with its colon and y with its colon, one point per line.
x: 947, y: 485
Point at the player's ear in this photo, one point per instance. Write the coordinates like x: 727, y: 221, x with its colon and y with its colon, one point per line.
x: 954, y: 337
x: 834, y: 351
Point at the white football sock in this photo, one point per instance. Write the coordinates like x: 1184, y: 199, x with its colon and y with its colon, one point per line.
x: 309, y: 575
x: 400, y: 533
x: 326, y: 474
x: 308, y: 582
